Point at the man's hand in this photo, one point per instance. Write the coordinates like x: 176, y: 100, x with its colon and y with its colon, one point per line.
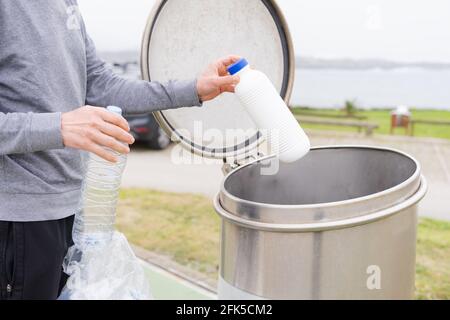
x: 93, y: 128
x: 215, y: 79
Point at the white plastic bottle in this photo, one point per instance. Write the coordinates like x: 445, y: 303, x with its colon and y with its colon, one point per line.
x: 270, y: 113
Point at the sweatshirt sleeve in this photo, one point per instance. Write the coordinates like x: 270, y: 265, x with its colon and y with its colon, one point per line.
x: 30, y: 132
x: 134, y: 96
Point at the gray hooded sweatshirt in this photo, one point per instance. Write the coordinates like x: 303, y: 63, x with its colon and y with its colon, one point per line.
x: 49, y: 65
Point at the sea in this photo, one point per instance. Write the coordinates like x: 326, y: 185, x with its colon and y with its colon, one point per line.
x: 420, y: 88
x: 415, y: 87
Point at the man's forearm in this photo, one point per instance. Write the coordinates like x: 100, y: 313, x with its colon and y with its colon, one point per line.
x: 138, y: 96
x: 134, y: 96
x: 29, y: 132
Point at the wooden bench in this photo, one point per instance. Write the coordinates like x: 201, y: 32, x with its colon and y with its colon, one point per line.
x: 432, y: 122
x: 367, y: 126
x: 330, y: 115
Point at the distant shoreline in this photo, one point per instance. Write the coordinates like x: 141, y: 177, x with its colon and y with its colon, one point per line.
x: 419, y: 85
x: 362, y: 109
x: 365, y: 64
x: 305, y: 62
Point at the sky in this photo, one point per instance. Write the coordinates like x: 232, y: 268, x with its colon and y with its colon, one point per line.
x: 400, y: 30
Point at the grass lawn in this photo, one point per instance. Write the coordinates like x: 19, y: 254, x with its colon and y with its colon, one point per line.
x: 382, y: 118
x: 186, y: 228
x: 433, y: 260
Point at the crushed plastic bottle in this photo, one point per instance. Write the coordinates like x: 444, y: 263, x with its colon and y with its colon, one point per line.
x: 101, y: 263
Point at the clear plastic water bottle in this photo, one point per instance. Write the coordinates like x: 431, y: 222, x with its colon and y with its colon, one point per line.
x: 96, y: 214
x: 101, y: 263
x: 270, y: 113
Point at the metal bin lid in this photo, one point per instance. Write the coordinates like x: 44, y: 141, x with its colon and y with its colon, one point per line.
x: 180, y: 39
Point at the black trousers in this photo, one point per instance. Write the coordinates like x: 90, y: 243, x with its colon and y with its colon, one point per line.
x: 31, y: 257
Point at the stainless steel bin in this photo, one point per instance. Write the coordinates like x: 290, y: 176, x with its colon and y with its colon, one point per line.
x: 337, y: 224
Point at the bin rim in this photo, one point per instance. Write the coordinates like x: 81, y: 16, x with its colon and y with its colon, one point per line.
x: 415, y: 176
x: 325, y: 224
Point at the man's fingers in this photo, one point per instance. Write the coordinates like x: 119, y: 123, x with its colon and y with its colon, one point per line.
x: 114, y: 119
x: 116, y: 132
x: 109, y: 142
x: 228, y: 81
x: 101, y: 152
x: 227, y: 89
x: 226, y: 61
x: 223, y: 63
x: 96, y: 130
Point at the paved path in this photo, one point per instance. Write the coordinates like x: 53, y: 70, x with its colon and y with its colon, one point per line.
x: 157, y: 170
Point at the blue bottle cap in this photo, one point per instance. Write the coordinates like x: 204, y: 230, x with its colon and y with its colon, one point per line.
x: 237, y: 66
x: 114, y: 109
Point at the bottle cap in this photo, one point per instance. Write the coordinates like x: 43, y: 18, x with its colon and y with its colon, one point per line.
x: 237, y: 66
x: 115, y: 110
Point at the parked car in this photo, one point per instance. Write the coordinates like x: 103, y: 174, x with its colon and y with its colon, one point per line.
x: 145, y: 129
